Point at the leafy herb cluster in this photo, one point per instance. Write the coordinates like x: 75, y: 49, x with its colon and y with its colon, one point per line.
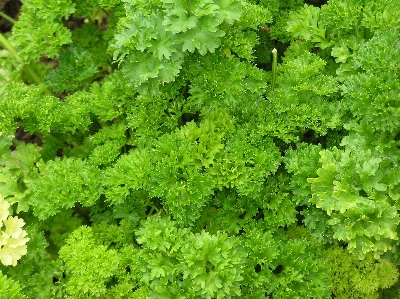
x: 154, y: 149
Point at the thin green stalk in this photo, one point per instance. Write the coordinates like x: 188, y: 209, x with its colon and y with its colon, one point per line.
x: 12, y: 50
x: 104, y: 11
x: 9, y: 47
x: 8, y: 18
x: 34, y: 76
x: 6, y: 44
x: 274, y: 65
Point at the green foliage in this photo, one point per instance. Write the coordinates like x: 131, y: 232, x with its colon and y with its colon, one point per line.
x: 103, y: 264
x: 175, y: 261
x: 350, y: 189
x: 304, y: 24
x: 361, y: 179
x: 303, y: 163
x: 280, y: 11
x: 40, y: 31
x: 59, y: 226
x: 185, y: 167
x: 89, y: 9
x: 303, y: 275
x: 147, y: 111
x: 20, y: 101
x: 17, y: 168
x: 305, y: 99
x: 10, y: 70
x: 222, y: 81
x: 151, y: 152
x: 9, y: 288
x: 377, y: 56
x: 157, y: 36
x: 95, y: 270
x: 354, y: 278
x: 262, y: 251
x: 343, y: 25
x: 38, y: 274
x: 90, y: 39
x: 74, y: 67
x: 283, y: 265
x: 52, y: 191
x: 240, y: 39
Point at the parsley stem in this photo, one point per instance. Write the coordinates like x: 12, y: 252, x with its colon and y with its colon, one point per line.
x: 9, y: 47
x: 6, y: 44
x: 274, y: 65
x: 7, y: 17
